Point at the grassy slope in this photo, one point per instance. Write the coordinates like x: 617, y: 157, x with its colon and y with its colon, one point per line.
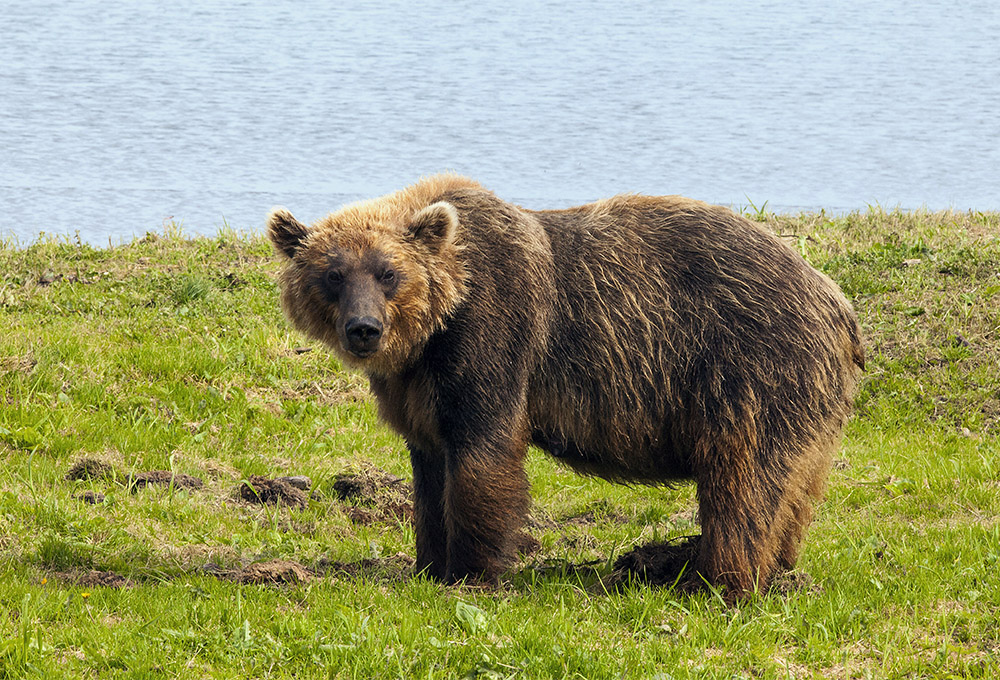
x: 169, y: 353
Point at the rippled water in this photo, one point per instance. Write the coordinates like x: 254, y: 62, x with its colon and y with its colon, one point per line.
x: 116, y: 116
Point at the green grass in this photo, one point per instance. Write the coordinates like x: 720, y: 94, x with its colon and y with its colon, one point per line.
x: 171, y: 353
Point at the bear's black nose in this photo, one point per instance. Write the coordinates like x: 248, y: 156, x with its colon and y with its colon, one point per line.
x: 363, y: 333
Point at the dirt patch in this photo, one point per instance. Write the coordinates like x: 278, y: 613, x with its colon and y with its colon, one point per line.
x: 274, y: 571
x: 791, y: 582
x: 566, y: 568
x: 49, y: 277
x: 368, y: 484
x: 89, y: 468
x: 601, y: 511
x: 177, y: 480
x: 263, y: 491
x: 396, y: 566
x: 94, y: 578
x: 579, y: 541
x: 17, y: 364
x: 386, y: 514
x: 526, y: 544
x: 232, y: 281
x: 374, y: 495
x: 598, y: 516
x: 362, y: 516
x: 92, y: 468
x: 660, y: 563
x: 541, y: 522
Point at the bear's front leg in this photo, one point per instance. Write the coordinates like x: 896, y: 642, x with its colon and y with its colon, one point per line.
x: 428, y: 513
x: 486, y: 502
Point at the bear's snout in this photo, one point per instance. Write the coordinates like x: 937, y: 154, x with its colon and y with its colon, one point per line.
x: 363, y: 334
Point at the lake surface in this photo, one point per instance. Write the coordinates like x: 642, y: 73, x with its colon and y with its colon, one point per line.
x: 118, y: 116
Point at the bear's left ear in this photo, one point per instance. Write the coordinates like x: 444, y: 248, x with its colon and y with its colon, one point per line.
x: 285, y: 231
x: 435, y: 226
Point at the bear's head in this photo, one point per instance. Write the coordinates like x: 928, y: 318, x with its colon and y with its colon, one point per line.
x: 373, y: 280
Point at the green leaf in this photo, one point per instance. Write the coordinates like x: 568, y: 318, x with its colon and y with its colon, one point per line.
x: 472, y: 618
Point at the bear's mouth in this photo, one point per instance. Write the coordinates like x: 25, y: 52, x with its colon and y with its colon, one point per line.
x: 362, y: 353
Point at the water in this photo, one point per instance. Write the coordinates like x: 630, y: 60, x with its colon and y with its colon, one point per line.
x: 117, y: 116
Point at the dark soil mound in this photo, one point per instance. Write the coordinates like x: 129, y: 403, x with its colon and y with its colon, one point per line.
x: 177, y: 480
x: 264, y: 491
x: 89, y: 468
x: 660, y: 563
x: 298, y: 481
x: 374, y: 496
x: 368, y: 485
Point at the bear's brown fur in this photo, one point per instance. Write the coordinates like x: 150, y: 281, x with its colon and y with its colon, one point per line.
x: 641, y: 339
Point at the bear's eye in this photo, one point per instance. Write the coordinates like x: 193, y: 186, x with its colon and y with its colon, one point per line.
x: 334, y: 278
x: 388, y: 276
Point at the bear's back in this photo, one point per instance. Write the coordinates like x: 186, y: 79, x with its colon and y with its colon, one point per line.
x: 670, y: 314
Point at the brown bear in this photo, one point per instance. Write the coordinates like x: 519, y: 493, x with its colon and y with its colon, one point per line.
x: 641, y: 339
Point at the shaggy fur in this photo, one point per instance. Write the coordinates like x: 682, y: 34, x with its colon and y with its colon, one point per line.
x: 641, y: 339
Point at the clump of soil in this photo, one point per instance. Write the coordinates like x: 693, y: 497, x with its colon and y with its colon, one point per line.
x: 368, y: 484
x: 374, y: 496
x: 89, y: 468
x: 90, y: 497
x: 298, y: 481
x: 659, y: 563
x: 264, y: 491
x: 178, y: 480
x: 274, y: 571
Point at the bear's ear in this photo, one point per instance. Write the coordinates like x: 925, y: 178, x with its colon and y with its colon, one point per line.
x: 435, y: 225
x: 285, y: 231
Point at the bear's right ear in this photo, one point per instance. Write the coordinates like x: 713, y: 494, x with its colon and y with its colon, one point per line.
x: 435, y: 226
x: 286, y: 232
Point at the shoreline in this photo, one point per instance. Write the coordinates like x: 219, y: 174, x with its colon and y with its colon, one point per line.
x: 172, y: 230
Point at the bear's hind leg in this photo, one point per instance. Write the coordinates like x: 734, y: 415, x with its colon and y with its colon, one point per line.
x: 741, y: 517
